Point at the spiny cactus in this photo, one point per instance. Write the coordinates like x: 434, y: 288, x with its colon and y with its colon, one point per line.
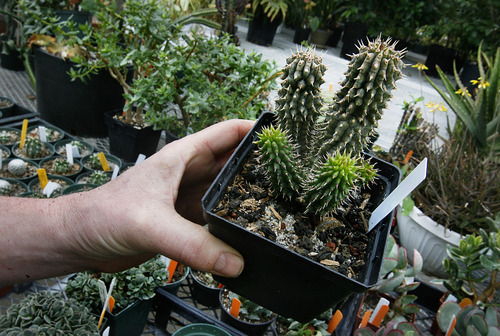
x: 313, y: 155
x: 99, y: 177
x: 16, y: 167
x: 33, y: 148
x: 61, y: 166
x: 94, y: 161
x: 5, y: 187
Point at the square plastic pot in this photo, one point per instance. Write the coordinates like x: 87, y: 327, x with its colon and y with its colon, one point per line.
x: 277, y: 278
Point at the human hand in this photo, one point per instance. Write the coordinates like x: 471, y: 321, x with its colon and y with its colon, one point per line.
x: 151, y: 208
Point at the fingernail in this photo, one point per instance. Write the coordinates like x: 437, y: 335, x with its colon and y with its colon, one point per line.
x: 229, y: 265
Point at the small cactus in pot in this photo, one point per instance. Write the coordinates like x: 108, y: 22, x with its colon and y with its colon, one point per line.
x: 17, y: 167
x: 33, y: 148
x: 61, y: 166
x: 314, y: 155
x: 5, y: 187
x: 99, y: 177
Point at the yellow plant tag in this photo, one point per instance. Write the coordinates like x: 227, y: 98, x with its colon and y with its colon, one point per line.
x: 42, y: 177
x: 24, y: 131
x: 104, y: 162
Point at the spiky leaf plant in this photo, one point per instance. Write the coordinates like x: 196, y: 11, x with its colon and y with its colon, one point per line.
x: 313, y: 154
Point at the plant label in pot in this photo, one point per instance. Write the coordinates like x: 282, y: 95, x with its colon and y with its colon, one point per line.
x: 304, y: 171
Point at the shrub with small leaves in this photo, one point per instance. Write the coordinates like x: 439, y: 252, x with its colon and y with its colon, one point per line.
x: 47, y: 313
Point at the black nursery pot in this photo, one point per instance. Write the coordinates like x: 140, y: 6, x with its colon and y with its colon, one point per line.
x: 294, y: 286
x: 207, y: 296
x: 127, y: 142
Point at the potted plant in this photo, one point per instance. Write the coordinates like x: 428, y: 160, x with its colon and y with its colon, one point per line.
x: 316, y: 327
x: 12, y: 187
x: 320, y: 21
x: 446, y: 197
x: 11, y: 40
x: 393, y: 328
x: 267, y: 15
x: 6, y: 107
x: 60, y: 166
x: 92, y: 162
x: 133, y: 292
x: 33, y: 149
x: 299, y: 103
x: 397, y: 278
x: 47, y: 313
x: 205, y: 290
x: 250, y: 318
x: 20, y: 169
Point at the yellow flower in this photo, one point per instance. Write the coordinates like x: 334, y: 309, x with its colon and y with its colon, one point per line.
x: 482, y: 84
x: 420, y: 66
x: 436, y: 106
x: 462, y: 92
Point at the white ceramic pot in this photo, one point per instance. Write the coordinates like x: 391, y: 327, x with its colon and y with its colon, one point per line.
x: 420, y: 232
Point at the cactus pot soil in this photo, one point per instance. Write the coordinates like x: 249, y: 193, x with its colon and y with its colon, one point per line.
x: 295, y: 265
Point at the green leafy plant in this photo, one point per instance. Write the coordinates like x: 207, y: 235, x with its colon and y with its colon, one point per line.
x: 470, y: 320
x: 469, y: 265
x: 316, y: 327
x: 249, y: 310
x: 392, y: 328
x: 397, y: 276
x: 479, y: 116
x: 272, y: 8
x: 136, y: 283
x: 47, y: 313
x: 314, y: 156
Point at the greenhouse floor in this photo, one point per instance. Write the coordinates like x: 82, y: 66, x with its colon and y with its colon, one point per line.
x: 16, y: 86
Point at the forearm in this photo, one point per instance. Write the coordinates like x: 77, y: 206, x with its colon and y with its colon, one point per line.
x: 32, y: 235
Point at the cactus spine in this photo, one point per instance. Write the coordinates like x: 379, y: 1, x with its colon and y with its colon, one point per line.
x: 98, y: 177
x: 313, y: 155
x: 33, y: 147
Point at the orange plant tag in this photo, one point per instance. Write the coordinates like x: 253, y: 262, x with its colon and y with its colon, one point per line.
x: 171, y: 269
x: 334, y: 321
x: 235, y: 307
x: 380, y: 315
x: 452, y: 326
x: 24, y: 131
x: 111, y: 303
x: 104, y: 162
x: 465, y: 302
x: 364, y: 320
x: 408, y: 157
x: 220, y: 285
x: 42, y: 177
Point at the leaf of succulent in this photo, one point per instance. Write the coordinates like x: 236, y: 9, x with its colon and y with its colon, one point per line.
x: 358, y: 105
x: 280, y: 160
x: 331, y: 184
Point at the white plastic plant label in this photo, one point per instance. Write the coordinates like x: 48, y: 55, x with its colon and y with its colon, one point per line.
x: 76, y: 152
x: 103, y: 292
x: 42, y: 132
x: 140, y: 158
x: 50, y: 188
x: 69, y: 153
x: 116, y: 170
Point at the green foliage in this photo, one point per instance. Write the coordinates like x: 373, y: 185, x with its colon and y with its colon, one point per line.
x: 313, y: 156
x: 250, y: 310
x: 272, y: 8
x: 319, y: 324
x: 470, y: 320
x: 48, y: 313
x: 398, y: 276
x: 33, y: 147
x: 478, y: 115
x: 94, y: 162
x: 392, y: 328
x: 469, y: 265
x: 205, y: 79
x: 136, y: 283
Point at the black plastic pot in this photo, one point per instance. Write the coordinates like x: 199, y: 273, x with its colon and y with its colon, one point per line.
x: 201, y: 329
x: 127, y: 142
x: 6, y: 111
x: 320, y: 38
x: 354, y: 32
x: 74, y: 106
x: 11, y: 60
x: 334, y: 38
x: 443, y: 57
x: 78, y: 17
x: 250, y: 329
x: 294, y: 286
x: 203, y: 294
x: 131, y: 320
x: 261, y: 30
x: 301, y: 35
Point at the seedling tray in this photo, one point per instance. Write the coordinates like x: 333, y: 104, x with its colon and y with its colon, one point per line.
x: 17, y: 113
x: 277, y: 278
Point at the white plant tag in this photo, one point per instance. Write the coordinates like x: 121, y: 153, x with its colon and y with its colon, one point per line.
x: 399, y: 194
x: 102, y: 291
x: 69, y: 153
x: 42, y: 132
x: 140, y: 158
x: 76, y: 152
x: 116, y: 170
x: 50, y: 188
x: 106, y: 332
x: 106, y: 302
